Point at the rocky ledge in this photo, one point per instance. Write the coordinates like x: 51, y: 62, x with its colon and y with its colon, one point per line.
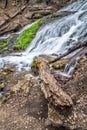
x: 16, y: 15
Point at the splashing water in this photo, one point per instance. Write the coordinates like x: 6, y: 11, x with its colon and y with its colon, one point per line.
x: 55, y: 37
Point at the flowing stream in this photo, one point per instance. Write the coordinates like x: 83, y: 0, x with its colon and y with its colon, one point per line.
x: 55, y: 37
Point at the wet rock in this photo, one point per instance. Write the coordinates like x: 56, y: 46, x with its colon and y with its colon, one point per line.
x: 45, y: 58
x: 7, y: 45
x: 59, y: 65
x: 55, y: 15
x: 1, y: 64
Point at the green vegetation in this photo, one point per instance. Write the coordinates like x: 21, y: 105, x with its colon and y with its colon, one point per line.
x: 27, y: 36
x: 3, y: 44
x: 7, y: 44
x: 34, y: 64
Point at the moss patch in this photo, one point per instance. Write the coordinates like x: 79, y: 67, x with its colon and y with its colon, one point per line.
x: 27, y: 36
x: 7, y: 44
x: 34, y: 64
x: 3, y: 44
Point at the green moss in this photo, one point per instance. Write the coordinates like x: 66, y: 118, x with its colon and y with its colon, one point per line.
x: 3, y: 44
x: 27, y: 36
x: 34, y: 64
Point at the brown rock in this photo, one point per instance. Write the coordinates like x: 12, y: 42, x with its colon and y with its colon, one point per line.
x: 28, y: 15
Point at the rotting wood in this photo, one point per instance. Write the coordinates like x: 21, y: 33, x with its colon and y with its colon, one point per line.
x: 50, y: 87
x: 72, y: 49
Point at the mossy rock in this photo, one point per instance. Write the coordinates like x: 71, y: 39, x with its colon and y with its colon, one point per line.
x: 60, y: 64
x: 27, y: 36
x: 34, y: 64
x: 3, y: 44
x: 6, y: 45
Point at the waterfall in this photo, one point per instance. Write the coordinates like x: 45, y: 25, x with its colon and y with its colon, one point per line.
x: 55, y: 37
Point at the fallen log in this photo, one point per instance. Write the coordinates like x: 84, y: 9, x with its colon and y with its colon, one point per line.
x: 49, y: 86
x: 72, y: 49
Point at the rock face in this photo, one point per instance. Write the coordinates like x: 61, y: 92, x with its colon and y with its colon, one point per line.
x: 35, y: 9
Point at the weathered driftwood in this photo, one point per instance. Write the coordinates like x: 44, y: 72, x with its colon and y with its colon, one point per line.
x: 72, y: 49
x: 50, y: 87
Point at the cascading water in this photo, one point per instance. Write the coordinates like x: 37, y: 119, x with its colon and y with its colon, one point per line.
x: 55, y: 37
x: 69, y: 69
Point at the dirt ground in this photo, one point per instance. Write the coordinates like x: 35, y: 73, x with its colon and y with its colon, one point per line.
x: 26, y: 108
